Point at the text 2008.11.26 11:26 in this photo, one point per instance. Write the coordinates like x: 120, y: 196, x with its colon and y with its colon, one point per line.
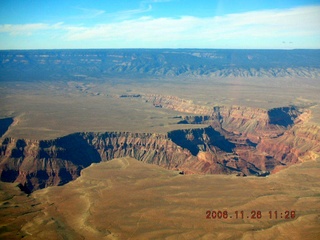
x: 254, y: 214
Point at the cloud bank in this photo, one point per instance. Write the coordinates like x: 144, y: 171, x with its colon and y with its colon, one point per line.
x: 289, y: 25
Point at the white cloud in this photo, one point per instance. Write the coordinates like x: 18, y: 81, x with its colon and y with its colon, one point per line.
x: 22, y: 29
x: 287, y: 25
x: 271, y: 23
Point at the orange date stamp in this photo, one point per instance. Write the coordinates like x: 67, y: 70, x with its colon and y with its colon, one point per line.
x: 254, y: 214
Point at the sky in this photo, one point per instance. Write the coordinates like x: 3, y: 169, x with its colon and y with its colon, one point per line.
x: 228, y: 24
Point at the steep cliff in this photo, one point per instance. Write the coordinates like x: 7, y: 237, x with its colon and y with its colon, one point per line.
x: 38, y: 164
x: 252, y: 122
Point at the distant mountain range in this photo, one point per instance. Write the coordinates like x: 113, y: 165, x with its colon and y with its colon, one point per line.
x: 97, y: 63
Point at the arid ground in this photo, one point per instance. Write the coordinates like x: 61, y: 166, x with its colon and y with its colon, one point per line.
x: 127, y: 199
x: 47, y: 109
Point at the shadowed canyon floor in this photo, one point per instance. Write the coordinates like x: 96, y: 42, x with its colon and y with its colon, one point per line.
x: 126, y: 199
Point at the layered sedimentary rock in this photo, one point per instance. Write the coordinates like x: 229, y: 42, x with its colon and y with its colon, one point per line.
x: 38, y: 164
x: 254, y: 122
x: 300, y: 143
x: 238, y: 140
x: 270, y: 139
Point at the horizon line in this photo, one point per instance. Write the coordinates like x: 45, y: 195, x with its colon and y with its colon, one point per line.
x: 160, y: 48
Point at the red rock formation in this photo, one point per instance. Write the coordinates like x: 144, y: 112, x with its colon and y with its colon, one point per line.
x: 300, y: 143
x: 281, y: 135
x: 252, y: 122
x: 38, y: 164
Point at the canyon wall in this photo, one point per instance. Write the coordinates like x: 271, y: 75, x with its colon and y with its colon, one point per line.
x: 270, y: 139
x: 248, y: 121
x: 38, y: 164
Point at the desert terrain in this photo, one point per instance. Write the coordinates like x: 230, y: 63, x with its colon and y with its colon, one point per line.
x: 127, y: 199
x: 139, y: 148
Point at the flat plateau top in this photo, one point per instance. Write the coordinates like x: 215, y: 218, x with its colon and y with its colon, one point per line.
x: 50, y: 109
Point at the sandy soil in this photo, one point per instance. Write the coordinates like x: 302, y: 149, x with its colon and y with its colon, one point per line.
x: 126, y: 199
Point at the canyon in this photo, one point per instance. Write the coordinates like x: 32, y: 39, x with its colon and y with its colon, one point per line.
x: 233, y: 140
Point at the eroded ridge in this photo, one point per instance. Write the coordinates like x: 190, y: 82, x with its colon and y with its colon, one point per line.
x: 235, y: 140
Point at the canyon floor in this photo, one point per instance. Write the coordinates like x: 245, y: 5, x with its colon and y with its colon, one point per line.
x: 127, y: 199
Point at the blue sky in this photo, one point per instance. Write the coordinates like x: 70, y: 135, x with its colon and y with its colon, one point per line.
x: 52, y: 24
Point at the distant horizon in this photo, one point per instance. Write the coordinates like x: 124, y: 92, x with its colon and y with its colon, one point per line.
x: 159, y: 24
x: 167, y: 48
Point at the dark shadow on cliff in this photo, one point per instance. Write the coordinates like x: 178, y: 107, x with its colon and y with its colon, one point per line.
x: 4, y: 125
x: 196, y: 139
x: 218, y: 140
x: 73, y: 148
x: 283, y: 116
x: 186, y: 139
